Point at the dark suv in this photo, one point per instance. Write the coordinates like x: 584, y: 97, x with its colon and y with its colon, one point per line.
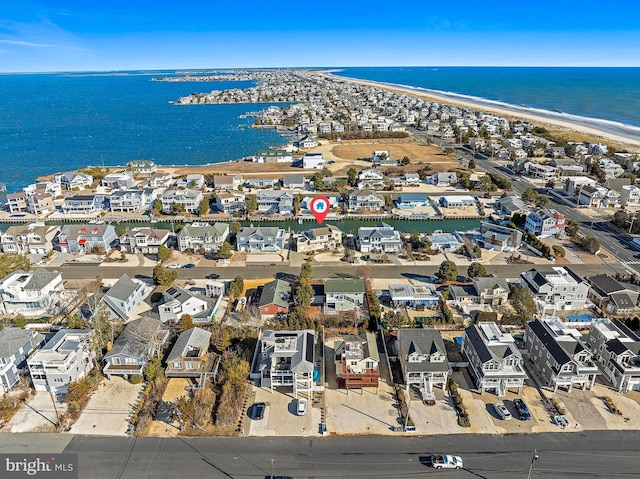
x: 523, y: 410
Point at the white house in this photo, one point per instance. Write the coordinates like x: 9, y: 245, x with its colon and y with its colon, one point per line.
x: 132, y: 201
x: 379, y: 238
x: 230, y: 202
x: 197, y: 236
x: 313, y: 161
x: 31, y: 293
x: 186, y: 200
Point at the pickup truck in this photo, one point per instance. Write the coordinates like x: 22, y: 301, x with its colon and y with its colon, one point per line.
x: 447, y: 462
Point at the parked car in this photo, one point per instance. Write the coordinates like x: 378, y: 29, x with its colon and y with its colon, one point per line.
x: 522, y: 409
x: 502, y: 411
x: 256, y: 411
x: 212, y: 276
x: 561, y: 420
x: 302, y: 406
x: 174, y: 266
x: 224, y: 261
x: 189, y: 266
x: 447, y: 462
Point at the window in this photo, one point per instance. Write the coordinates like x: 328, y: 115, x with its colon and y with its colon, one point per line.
x: 115, y: 361
x: 189, y: 365
x: 177, y: 365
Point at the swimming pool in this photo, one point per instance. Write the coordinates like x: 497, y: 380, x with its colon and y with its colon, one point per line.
x: 580, y: 318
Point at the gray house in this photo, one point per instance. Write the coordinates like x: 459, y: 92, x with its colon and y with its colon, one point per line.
x: 260, y: 239
x: 494, y: 360
x: 558, y: 354
x: 198, y: 236
x: 423, y: 360
x: 87, y: 238
x: 140, y: 340
x: 294, y: 181
x: 123, y: 297
x: 189, y: 357
x: 15, y: 347
x: 67, y: 357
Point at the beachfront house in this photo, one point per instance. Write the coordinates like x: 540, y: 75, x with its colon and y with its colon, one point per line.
x: 145, y: 240
x: 365, y: 200
x: 558, y: 354
x: 16, y: 345
x: 380, y: 238
x: 495, y: 363
x: 118, y: 181
x: 176, y: 201
x: 132, y: 201
x: 84, y: 205
x: 73, y: 180
x: 142, y: 167
x: 462, y: 201
x: 203, y: 236
x: 260, y: 239
x: 76, y: 238
x: 275, y: 202
x: 272, y: 156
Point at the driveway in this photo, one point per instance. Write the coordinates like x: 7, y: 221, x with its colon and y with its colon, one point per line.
x: 109, y: 408
x: 280, y: 418
x: 38, y: 414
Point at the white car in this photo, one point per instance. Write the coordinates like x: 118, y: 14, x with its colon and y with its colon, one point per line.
x: 174, y: 266
x: 561, y: 420
x: 302, y: 407
x: 502, y: 411
x: 224, y: 261
x: 447, y: 462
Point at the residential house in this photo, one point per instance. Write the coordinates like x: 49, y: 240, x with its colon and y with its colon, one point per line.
x: 145, y: 240
x: 327, y: 237
x: 630, y: 196
x: 51, y: 187
x: 313, y: 161
x: 190, y: 357
x: 371, y: 178
x: 259, y: 183
x: 118, y: 181
x: 84, y: 204
x: 495, y: 363
x: 139, y: 341
x: 545, y: 223
x: 556, y: 351
x: 74, y: 238
x: 357, y: 361
x: 132, y: 201
x: 17, y: 202
x: 443, y: 179
x: 365, y: 200
x: 573, y: 184
x: 343, y: 295
x: 275, y: 202
x: 408, y: 179
x: 40, y: 203
x: 611, y: 296
x: 611, y: 168
x: 541, y: 171
x: 412, y: 296
x: 177, y: 302
x: 273, y: 156
x: 28, y: 239
x: 407, y: 201
x: 227, y: 182
x: 597, y: 196
x: 199, y: 236
x: 445, y: 242
x: 379, y: 238
x: 68, y: 356
x: 285, y: 359
x: 16, y: 345
x: 32, y: 293
x: 181, y: 200
x: 462, y: 201
x: 423, y: 360
x: 230, y: 202
x: 191, y: 181
x: 74, y: 181
x: 499, y: 238
x: 123, y: 298
x: 378, y: 156
x: 291, y: 182
x: 274, y: 298
x: 159, y: 180
x: 560, y: 289
x: 306, y: 142
x: 142, y: 167
x: 510, y: 205
x: 260, y: 239
x: 617, y: 352
x: 486, y: 290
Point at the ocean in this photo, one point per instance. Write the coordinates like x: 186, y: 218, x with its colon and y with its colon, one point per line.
x: 608, y: 98
x: 59, y: 122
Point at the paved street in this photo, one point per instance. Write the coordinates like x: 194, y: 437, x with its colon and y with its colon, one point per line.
x: 589, y: 454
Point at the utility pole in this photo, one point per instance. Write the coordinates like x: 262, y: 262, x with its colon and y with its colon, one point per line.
x: 271, y: 468
x: 533, y: 459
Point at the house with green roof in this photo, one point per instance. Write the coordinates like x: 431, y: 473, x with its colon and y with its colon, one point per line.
x: 275, y: 298
x: 343, y: 295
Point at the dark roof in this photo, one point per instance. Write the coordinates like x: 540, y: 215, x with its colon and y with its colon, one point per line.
x: 605, y: 283
x: 549, y: 342
x: 194, y: 338
x: 623, y: 327
x: 422, y: 341
x: 135, y: 338
x: 622, y: 301
x: 616, y: 346
x: 478, y: 344
x: 276, y: 292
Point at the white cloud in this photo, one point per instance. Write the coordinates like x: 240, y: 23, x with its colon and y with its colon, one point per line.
x: 22, y: 43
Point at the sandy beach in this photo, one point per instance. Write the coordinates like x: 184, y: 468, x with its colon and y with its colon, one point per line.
x: 572, y: 127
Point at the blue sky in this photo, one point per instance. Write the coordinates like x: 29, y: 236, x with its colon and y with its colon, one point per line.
x: 65, y: 35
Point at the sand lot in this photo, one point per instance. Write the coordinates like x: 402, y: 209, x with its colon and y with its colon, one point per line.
x: 37, y: 415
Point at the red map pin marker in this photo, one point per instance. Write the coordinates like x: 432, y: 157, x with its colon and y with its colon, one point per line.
x: 319, y: 207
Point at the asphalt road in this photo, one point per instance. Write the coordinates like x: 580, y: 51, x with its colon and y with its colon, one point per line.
x: 594, y: 454
x: 87, y: 271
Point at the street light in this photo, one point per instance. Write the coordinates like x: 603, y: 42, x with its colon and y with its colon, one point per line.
x: 533, y: 459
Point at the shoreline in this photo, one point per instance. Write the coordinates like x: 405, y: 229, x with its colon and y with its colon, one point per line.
x: 563, y: 123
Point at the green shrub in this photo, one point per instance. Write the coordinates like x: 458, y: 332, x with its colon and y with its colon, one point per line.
x: 464, y: 421
x: 136, y: 379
